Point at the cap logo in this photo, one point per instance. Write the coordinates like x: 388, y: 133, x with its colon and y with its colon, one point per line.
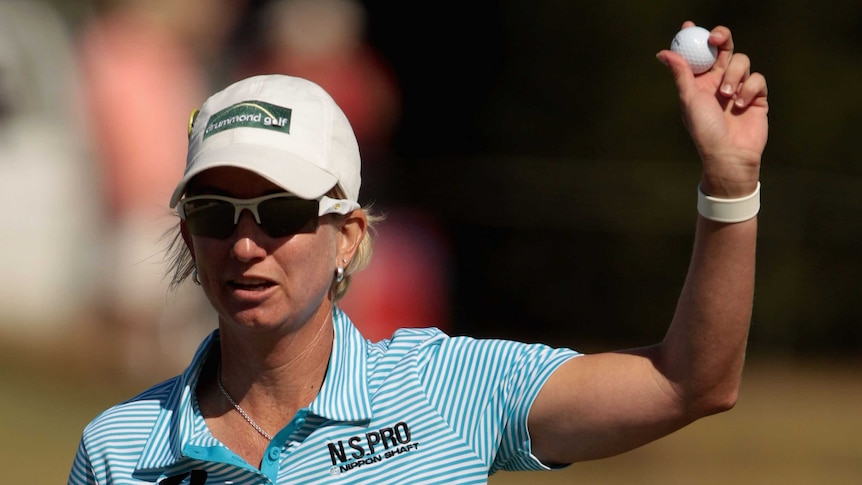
x: 250, y: 114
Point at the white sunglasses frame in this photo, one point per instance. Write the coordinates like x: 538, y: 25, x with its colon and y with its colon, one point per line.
x: 326, y: 205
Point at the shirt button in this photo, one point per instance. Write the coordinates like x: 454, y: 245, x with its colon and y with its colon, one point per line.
x: 273, y: 454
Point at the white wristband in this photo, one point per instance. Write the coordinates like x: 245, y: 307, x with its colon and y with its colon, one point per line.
x: 728, y: 210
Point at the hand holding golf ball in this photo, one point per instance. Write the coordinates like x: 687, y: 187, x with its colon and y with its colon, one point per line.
x: 692, y: 43
x: 724, y: 107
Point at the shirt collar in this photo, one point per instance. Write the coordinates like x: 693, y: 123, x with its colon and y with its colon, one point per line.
x: 344, y: 395
x: 175, y: 424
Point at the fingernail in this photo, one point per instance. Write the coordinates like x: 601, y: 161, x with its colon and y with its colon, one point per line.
x: 661, y: 58
x: 740, y: 103
x: 727, y: 89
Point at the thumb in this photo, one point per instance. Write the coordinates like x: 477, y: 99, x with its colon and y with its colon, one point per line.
x: 679, y: 69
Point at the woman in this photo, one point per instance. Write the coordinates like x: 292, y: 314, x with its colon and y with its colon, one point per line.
x: 287, y: 391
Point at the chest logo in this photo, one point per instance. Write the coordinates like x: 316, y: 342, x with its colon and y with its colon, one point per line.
x: 371, y: 448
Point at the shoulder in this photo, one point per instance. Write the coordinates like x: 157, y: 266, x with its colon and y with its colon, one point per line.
x: 133, y: 417
x: 433, y: 349
x: 405, y: 339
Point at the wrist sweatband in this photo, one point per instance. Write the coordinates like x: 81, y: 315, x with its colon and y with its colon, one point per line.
x: 728, y: 210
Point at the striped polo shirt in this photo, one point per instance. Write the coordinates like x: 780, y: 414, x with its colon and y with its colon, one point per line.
x: 421, y: 407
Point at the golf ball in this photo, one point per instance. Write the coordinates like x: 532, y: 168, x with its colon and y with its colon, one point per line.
x: 692, y: 44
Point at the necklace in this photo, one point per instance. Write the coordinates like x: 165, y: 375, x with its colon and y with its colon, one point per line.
x: 239, y: 409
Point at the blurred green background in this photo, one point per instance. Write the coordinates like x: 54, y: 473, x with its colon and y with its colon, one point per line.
x: 544, y: 139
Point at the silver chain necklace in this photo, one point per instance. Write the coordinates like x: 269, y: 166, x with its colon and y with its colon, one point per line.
x: 239, y: 409
x: 237, y: 406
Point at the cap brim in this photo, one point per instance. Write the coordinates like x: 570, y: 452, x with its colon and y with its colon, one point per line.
x: 294, y: 174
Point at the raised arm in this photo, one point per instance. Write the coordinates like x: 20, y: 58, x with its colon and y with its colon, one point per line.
x: 600, y: 405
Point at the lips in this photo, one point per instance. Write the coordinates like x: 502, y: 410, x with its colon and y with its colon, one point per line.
x: 250, y: 284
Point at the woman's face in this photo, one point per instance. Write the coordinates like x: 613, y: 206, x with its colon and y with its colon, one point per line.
x: 256, y: 281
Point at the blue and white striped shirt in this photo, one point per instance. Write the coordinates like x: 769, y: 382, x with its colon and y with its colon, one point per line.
x: 421, y: 407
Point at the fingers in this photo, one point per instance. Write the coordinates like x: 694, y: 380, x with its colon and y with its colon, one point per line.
x: 735, y: 75
x: 752, y: 92
x: 679, y: 69
x: 732, y: 72
x: 740, y: 85
x: 721, y: 38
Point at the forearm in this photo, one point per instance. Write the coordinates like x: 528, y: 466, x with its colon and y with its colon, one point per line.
x: 702, y: 353
x: 603, y: 404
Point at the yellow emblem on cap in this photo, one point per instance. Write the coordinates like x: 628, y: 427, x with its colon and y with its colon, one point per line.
x: 192, y: 117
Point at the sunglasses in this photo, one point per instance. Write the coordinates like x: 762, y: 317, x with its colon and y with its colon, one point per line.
x: 279, y: 215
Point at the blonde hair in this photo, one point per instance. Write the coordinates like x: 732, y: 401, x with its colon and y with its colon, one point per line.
x: 181, y: 264
x: 361, y: 258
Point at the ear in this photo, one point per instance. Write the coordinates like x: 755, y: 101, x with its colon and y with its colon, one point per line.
x: 351, y: 233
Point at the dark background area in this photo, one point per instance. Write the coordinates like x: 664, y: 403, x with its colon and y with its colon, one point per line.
x: 545, y: 139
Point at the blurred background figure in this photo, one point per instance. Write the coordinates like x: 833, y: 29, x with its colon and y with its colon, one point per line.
x: 146, y: 65
x: 324, y: 41
x: 48, y: 229
x: 406, y: 284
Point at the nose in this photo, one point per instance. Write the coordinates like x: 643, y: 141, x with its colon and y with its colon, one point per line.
x: 248, y: 237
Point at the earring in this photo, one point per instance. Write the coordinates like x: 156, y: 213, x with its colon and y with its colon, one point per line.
x: 196, y: 277
x: 339, y: 274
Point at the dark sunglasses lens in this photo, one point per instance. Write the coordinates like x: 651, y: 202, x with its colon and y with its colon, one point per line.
x: 283, y: 217
x: 210, y: 218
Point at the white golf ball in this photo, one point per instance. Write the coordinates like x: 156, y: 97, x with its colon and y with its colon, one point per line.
x: 692, y: 44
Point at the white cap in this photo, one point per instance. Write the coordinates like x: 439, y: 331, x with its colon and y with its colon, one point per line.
x: 285, y: 129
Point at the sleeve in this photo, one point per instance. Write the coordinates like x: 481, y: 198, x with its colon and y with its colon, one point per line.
x: 82, y: 470
x: 485, y: 389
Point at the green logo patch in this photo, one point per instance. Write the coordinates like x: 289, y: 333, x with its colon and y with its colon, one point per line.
x: 253, y: 114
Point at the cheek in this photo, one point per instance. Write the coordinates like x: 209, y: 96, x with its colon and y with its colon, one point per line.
x: 205, y: 251
x: 309, y: 258
x: 209, y: 257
